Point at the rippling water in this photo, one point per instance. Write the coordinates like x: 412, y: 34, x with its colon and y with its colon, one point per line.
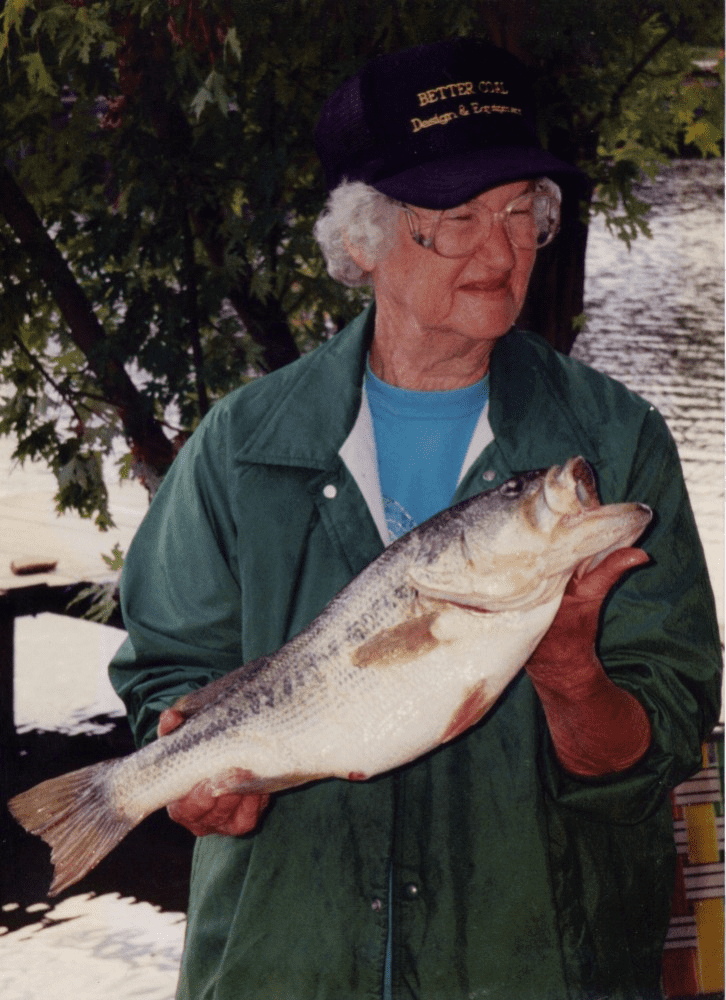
x: 655, y: 321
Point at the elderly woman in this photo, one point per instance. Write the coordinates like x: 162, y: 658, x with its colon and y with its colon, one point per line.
x: 533, y: 856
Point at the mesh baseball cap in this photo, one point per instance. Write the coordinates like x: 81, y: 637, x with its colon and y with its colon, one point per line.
x: 436, y: 125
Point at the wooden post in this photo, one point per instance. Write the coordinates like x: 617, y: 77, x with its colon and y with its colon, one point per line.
x: 7, y: 700
x: 31, y: 599
x: 7, y: 685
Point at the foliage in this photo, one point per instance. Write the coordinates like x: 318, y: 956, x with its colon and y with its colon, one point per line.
x: 102, y: 599
x: 644, y: 98
x: 159, y: 186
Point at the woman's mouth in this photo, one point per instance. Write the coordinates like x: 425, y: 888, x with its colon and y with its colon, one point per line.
x: 492, y: 286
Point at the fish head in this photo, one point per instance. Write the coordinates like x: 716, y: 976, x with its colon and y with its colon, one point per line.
x: 516, y: 546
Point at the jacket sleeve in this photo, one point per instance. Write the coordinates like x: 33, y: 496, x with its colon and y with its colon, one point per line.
x: 180, y: 589
x: 659, y: 640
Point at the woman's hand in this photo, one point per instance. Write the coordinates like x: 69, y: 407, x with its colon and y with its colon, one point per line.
x: 202, y: 812
x: 597, y: 727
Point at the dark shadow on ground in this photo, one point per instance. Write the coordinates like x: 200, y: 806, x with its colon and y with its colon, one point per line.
x: 151, y: 864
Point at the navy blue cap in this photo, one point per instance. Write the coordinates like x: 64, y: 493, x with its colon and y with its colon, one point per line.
x: 436, y: 125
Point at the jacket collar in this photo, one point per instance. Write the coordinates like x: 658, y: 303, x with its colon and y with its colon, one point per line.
x: 316, y: 401
x: 530, y: 387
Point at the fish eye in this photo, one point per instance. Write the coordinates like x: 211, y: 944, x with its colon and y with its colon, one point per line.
x: 512, y: 487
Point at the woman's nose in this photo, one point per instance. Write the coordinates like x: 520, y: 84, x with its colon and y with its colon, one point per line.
x: 497, y: 250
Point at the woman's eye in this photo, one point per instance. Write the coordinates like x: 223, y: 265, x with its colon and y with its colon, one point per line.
x: 459, y: 216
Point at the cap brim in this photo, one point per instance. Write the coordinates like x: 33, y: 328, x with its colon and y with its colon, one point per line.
x: 455, y: 179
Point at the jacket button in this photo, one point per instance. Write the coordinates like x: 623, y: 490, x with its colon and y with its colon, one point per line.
x: 411, y: 890
x: 489, y: 475
x: 330, y: 492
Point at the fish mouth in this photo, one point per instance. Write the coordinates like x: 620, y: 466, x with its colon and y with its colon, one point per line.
x: 571, y: 487
x: 570, y: 491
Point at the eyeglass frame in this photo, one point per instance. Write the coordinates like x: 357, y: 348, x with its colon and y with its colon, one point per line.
x: 542, y: 185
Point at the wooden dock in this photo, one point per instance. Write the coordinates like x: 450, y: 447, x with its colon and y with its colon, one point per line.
x: 46, y: 560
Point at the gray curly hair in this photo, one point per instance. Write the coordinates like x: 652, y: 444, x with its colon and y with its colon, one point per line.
x: 356, y: 214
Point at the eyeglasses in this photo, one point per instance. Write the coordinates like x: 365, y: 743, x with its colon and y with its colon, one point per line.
x: 531, y: 221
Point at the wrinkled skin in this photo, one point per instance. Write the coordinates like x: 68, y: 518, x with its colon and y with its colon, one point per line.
x: 597, y: 728
x: 438, y: 319
x: 576, y: 623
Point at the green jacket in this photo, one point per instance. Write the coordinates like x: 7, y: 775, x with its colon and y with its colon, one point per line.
x: 512, y: 880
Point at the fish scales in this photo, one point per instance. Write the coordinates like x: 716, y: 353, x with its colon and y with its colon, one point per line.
x: 416, y: 649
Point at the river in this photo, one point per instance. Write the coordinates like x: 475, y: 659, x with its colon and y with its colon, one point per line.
x: 655, y: 321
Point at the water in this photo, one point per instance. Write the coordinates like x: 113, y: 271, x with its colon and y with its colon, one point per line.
x: 93, y: 946
x: 655, y: 321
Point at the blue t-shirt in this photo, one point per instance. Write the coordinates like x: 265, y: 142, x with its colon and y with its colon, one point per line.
x: 421, y: 441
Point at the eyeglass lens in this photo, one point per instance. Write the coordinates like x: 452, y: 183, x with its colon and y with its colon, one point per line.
x: 531, y: 221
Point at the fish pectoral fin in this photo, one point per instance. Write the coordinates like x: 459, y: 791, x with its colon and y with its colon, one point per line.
x: 473, y: 707
x: 398, y: 644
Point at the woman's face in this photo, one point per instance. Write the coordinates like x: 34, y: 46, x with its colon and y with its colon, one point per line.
x: 477, y: 297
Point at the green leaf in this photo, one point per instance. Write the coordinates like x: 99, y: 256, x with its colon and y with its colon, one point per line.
x: 38, y: 75
x: 116, y: 560
x: 179, y: 184
x: 201, y: 99
x: 12, y: 17
x: 232, y: 45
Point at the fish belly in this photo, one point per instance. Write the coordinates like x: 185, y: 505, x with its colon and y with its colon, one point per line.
x: 391, y: 713
x: 382, y: 709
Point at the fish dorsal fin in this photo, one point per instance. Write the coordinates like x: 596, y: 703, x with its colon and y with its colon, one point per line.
x: 193, y: 702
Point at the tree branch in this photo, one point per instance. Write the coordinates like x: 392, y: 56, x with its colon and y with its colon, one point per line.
x: 192, y: 310
x: 635, y: 71
x: 142, y: 429
x: 265, y: 322
x: 46, y: 376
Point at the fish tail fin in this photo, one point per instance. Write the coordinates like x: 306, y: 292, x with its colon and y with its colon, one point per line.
x: 75, y: 816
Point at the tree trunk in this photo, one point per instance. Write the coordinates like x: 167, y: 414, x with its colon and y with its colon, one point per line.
x: 556, y: 291
x: 148, y: 441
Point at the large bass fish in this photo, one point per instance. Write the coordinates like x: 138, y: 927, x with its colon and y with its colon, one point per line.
x: 411, y: 653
